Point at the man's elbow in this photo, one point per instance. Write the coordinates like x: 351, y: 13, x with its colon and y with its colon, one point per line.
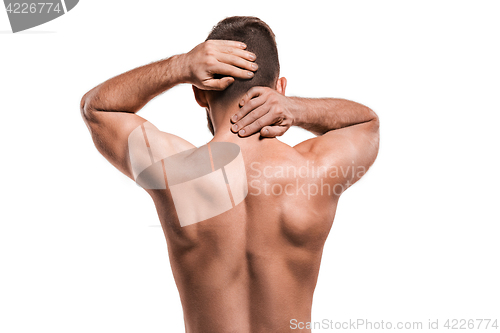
x: 86, y: 109
x: 375, y: 133
x: 374, y: 120
x: 369, y: 116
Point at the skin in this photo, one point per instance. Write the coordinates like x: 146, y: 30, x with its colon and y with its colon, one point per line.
x: 254, y: 267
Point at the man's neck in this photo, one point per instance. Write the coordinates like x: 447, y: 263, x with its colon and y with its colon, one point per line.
x: 222, y: 125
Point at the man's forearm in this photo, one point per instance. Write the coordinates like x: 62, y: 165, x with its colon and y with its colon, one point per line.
x: 320, y: 115
x: 130, y: 91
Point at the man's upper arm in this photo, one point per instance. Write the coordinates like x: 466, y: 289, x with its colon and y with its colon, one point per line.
x: 347, y: 152
x: 130, y: 142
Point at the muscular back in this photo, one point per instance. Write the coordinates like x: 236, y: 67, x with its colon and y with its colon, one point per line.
x: 257, y: 263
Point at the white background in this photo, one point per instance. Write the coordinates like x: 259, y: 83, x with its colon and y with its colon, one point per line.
x: 81, y: 249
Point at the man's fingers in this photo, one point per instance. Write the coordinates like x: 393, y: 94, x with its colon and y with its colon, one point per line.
x: 237, y: 61
x: 231, y: 43
x: 273, y: 131
x: 250, y: 101
x: 225, y: 82
x: 233, y: 71
x: 249, y: 112
x: 238, y: 52
x: 234, y: 47
x: 258, y: 124
x: 253, y: 117
x: 251, y: 94
x: 220, y: 84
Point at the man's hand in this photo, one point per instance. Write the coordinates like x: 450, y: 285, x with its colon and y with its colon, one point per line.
x: 223, y: 57
x: 263, y: 109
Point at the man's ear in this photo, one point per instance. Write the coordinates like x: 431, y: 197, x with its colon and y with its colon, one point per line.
x: 281, y: 85
x: 200, y: 97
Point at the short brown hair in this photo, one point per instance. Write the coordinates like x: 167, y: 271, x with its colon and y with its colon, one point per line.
x: 260, y: 39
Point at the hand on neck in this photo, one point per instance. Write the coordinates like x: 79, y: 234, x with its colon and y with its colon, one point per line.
x: 221, y: 110
x: 221, y: 119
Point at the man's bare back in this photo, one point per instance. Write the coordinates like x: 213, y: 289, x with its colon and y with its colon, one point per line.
x: 253, y: 267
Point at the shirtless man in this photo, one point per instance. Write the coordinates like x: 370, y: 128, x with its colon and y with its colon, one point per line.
x: 253, y: 267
